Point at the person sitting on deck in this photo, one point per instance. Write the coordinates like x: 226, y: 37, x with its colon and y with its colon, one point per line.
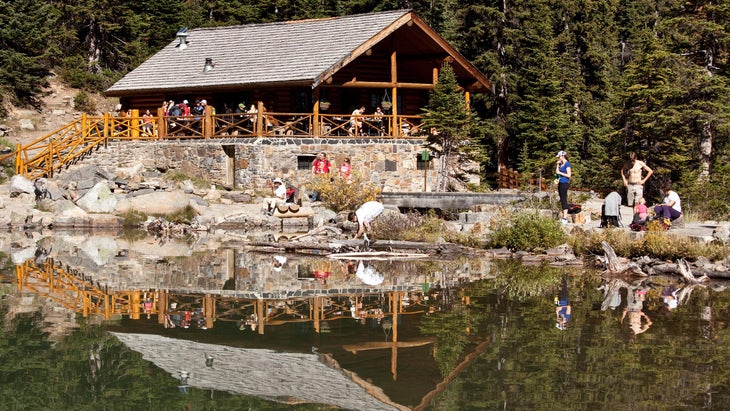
x: 356, y: 121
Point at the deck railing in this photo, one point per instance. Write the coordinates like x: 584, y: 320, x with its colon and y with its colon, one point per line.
x: 68, y: 144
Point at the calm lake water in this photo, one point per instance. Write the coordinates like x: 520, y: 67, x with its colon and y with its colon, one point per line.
x: 132, y: 322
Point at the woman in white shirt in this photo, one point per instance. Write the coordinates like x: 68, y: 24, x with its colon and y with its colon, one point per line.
x: 671, y: 206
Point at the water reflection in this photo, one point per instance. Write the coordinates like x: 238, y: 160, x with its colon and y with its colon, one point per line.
x: 357, y: 334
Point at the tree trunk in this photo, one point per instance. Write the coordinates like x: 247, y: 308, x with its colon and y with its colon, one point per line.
x: 706, y: 151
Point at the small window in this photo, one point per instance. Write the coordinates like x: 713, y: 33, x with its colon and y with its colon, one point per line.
x: 391, y: 165
x: 422, y: 164
x: 304, y: 162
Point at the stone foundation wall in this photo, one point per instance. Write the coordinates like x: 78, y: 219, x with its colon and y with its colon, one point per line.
x: 253, y: 163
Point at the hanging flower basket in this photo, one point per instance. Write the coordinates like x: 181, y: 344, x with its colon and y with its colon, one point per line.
x: 324, y: 105
x: 386, y: 105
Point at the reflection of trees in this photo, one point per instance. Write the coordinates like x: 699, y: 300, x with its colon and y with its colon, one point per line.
x: 532, y: 365
x: 454, y: 329
x: 519, y: 282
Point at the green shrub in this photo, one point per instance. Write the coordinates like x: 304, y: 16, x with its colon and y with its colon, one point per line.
x: 84, y: 102
x: 526, y: 230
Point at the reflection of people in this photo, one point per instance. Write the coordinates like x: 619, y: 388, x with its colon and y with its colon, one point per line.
x: 669, y: 297
x: 563, y: 171
x: 631, y: 174
x: 634, y: 305
x: 365, y: 215
x: 562, y: 306
x: 368, y: 275
x: 671, y: 206
x: 278, y: 199
x: 278, y: 262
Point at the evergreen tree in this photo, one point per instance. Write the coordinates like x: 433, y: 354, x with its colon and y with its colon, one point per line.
x: 25, y: 50
x: 451, y: 127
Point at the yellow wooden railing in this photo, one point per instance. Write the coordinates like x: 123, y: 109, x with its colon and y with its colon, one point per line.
x: 75, y: 291
x: 67, y: 145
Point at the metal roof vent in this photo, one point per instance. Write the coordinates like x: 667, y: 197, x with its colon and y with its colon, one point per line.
x: 182, y: 36
x: 208, y: 65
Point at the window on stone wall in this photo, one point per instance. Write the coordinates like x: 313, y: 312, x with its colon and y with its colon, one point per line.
x: 391, y: 165
x: 304, y: 162
x: 422, y: 164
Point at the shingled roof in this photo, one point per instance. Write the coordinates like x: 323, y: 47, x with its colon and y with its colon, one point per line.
x: 283, y: 53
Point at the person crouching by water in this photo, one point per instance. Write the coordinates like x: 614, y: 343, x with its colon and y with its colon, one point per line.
x: 364, y: 215
x: 278, y: 199
x: 563, y: 171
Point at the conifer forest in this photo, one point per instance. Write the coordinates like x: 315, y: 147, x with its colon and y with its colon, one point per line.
x: 596, y: 78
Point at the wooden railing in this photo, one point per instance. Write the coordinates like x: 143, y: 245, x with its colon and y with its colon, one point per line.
x: 72, y: 142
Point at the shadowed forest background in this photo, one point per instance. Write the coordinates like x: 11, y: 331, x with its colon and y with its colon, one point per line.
x: 595, y: 78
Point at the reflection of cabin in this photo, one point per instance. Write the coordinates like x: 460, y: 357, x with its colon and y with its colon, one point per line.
x: 326, y: 66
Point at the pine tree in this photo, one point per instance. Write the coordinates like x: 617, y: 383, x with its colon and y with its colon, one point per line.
x: 452, y: 129
x: 25, y: 50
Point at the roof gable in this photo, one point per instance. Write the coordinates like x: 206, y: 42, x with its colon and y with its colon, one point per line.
x: 296, y: 52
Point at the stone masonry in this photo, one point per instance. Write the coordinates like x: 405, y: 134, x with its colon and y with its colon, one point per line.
x: 251, y: 163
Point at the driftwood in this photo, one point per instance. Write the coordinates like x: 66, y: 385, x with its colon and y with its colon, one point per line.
x: 687, y: 275
x: 615, y: 266
x: 385, y: 247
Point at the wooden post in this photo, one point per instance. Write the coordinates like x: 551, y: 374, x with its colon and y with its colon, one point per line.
x: 134, y: 301
x: 208, y: 122
x: 317, y: 309
x: 161, y: 306
x: 316, y: 121
x: 395, y: 129
x: 161, y: 123
x: 260, y: 121
x: 107, y: 126
x: 209, y: 309
x: 134, y: 124
x: 260, y: 315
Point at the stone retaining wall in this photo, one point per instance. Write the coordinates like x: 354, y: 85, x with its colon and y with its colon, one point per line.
x: 252, y: 163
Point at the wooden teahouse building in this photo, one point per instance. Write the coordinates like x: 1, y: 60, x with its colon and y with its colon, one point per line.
x: 308, y: 77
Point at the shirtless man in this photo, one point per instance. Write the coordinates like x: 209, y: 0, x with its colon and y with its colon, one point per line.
x: 631, y: 174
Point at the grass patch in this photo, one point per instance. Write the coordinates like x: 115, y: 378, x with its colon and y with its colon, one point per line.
x: 655, y: 244
x: 416, y: 227
x: 178, y: 177
x: 133, y: 218
x: 184, y: 216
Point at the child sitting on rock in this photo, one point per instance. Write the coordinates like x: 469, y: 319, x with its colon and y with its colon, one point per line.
x: 641, y: 211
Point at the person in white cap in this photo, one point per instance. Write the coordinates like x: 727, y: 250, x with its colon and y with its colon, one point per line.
x: 279, y: 197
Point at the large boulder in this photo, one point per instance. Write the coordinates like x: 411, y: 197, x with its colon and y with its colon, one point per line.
x: 155, y: 203
x: 99, y: 199
x: 19, y: 184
